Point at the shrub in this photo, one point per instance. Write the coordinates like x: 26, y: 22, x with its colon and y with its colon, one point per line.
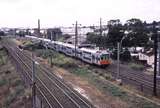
x: 3, y: 82
x: 125, y: 56
x: 80, y: 71
x: 137, y: 66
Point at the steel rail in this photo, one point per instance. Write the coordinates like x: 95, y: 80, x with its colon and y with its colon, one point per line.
x: 39, y: 80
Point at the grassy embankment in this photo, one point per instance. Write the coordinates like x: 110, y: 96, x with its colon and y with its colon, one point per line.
x: 13, y: 93
x: 70, y: 64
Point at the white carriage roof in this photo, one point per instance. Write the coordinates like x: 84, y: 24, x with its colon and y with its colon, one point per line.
x: 47, y: 40
x: 94, y: 50
x: 30, y: 36
x: 73, y: 46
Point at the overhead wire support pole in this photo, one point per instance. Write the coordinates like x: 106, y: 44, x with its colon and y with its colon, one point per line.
x: 51, y: 36
x: 118, y: 60
x: 39, y: 29
x: 158, y: 76
x: 76, y: 38
x: 155, y: 61
x: 33, y: 83
x: 100, y: 26
x: 51, y: 53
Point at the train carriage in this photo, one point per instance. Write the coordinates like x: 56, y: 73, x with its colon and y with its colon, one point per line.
x: 95, y: 56
x: 92, y: 56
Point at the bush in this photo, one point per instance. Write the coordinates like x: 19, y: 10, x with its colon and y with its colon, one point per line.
x: 125, y: 56
x: 80, y: 71
x: 3, y: 82
x: 114, y: 54
x: 137, y: 66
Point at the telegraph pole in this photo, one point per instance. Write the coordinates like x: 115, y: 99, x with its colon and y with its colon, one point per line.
x: 39, y: 27
x: 50, y: 52
x: 100, y: 26
x: 155, y: 61
x: 118, y: 61
x: 33, y: 83
x: 51, y: 36
x: 158, y: 76
x: 76, y: 38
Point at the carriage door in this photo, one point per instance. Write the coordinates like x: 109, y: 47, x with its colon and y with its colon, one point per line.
x: 93, y: 59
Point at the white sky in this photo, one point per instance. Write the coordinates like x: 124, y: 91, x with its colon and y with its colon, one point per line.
x: 24, y: 13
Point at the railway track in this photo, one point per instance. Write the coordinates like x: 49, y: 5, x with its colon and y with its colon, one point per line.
x: 139, y: 79
x: 56, y: 91
x: 51, y: 101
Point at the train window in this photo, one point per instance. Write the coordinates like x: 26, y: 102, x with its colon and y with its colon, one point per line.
x: 87, y: 52
x: 93, y: 57
x: 87, y: 58
x: 104, y: 57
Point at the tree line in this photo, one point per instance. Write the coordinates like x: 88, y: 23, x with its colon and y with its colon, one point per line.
x: 133, y: 33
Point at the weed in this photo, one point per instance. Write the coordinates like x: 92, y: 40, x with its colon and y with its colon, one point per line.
x: 10, y: 98
x: 80, y: 71
x: 136, y: 66
x: 100, y: 74
x: 3, y: 82
x: 16, y: 82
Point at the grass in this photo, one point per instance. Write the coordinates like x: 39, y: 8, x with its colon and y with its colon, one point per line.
x: 115, y: 91
x: 62, y: 61
x: 3, y: 57
x: 10, y: 98
x: 80, y: 72
x: 136, y: 66
x: 111, y: 89
x: 11, y: 86
x: 25, y: 43
x: 2, y: 82
x: 13, y: 96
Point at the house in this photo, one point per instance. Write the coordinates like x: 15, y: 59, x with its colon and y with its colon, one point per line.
x: 148, y: 56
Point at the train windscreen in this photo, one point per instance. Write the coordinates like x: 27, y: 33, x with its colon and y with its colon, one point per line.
x: 104, y: 57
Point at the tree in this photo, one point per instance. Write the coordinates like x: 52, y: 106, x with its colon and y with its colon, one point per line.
x: 125, y: 55
x: 93, y: 38
x: 2, y: 33
x: 137, y: 33
x: 116, y: 31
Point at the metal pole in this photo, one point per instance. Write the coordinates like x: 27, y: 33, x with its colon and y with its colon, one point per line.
x: 159, y: 58
x: 76, y: 38
x: 155, y: 62
x: 51, y: 36
x: 158, y: 50
x: 33, y: 83
x: 39, y: 27
x: 41, y: 104
x: 100, y: 26
x: 118, y: 61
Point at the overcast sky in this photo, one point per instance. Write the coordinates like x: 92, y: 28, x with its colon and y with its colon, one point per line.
x: 24, y: 13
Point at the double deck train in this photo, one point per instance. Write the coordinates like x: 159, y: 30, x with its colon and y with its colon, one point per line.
x: 91, y: 56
